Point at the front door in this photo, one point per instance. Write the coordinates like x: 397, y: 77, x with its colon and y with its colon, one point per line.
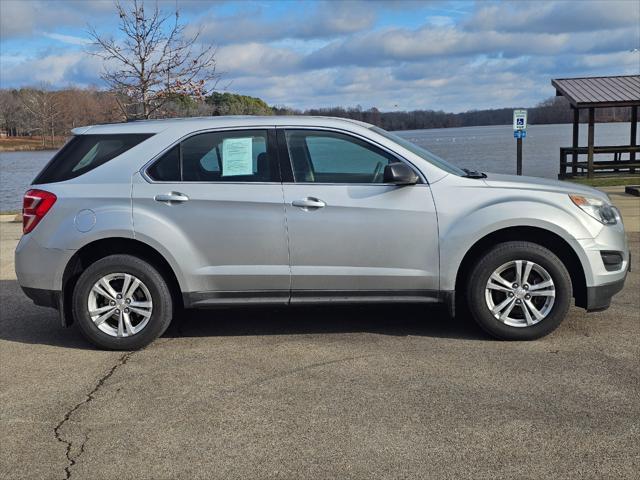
x: 214, y: 201
x: 350, y: 234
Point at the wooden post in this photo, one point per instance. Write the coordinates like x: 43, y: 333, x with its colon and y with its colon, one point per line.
x: 563, y: 164
x: 576, y: 140
x: 634, y: 132
x: 590, y: 141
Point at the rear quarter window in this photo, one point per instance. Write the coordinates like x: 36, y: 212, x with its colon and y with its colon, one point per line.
x: 83, y: 153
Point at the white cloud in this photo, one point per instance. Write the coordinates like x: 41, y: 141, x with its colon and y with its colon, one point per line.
x: 557, y: 16
x: 440, y: 21
x: 256, y: 59
x: 348, y: 53
x: 405, y: 45
x: 16, y: 18
x: 22, y: 18
x: 63, y: 69
x: 319, y: 20
x: 70, y: 39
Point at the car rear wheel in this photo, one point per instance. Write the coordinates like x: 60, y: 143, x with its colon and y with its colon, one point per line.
x: 519, y: 291
x: 121, y: 302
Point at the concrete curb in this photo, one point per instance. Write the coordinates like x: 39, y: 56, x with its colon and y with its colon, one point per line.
x: 629, y: 206
x: 11, y: 218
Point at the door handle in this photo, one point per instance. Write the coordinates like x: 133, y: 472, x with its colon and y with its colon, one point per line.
x: 309, y: 203
x: 171, y: 197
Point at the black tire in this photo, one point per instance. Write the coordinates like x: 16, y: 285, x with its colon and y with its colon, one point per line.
x: 494, y: 259
x: 161, y: 313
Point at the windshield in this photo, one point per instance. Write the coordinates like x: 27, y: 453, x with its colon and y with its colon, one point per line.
x: 421, y: 152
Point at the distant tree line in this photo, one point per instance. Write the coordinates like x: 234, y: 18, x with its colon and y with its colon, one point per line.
x: 552, y: 110
x: 48, y: 113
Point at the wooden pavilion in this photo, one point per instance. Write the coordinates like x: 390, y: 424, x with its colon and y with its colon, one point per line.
x: 599, y: 92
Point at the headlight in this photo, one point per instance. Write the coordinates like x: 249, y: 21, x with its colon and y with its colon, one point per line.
x: 598, y: 209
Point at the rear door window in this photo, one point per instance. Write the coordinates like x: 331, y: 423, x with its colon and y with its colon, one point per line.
x: 167, y: 169
x: 230, y: 156
x: 83, y: 153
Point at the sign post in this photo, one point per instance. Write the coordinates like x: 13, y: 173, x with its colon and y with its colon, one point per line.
x: 519, y: 132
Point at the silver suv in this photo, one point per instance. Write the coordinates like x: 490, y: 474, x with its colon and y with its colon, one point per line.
x: 131, y: 222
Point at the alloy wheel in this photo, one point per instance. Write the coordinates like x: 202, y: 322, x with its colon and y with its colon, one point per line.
x: 520, y: 293
x: 120, y: 304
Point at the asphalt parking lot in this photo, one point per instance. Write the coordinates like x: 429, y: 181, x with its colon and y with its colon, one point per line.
x: 383, y: 392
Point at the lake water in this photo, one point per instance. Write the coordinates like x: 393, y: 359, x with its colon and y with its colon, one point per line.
x: 488, y: 149
x: 493, y: 148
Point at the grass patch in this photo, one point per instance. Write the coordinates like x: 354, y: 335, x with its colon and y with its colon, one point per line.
x: 27, y: 144
x: 607, y: 181
x: 10, y: 212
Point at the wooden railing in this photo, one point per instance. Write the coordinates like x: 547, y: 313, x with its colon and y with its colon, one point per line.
x: 576, y: 168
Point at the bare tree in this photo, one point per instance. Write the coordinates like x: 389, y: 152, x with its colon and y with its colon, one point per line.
x: 44, y: 107
x: 13, y: 116
x: 154, y: 62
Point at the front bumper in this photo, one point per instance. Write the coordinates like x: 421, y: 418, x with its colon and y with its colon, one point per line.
x: 604, y: 278
x: 599, y: 298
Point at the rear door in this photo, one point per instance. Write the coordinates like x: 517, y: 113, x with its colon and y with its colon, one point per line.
x: 352, y: 235
x: 214, y: 201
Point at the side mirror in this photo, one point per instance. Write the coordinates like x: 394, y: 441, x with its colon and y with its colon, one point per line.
x: 400, y: 174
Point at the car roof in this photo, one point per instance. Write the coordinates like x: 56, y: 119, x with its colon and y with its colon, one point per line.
x: 202, y: 123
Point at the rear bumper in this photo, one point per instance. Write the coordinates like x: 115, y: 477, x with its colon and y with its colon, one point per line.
x: 38, y: 267
x: 599, y: 298
x: 43, y: 298
x: 50, y: 299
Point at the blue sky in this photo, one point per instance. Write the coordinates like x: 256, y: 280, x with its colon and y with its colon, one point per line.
x: 403, y: 54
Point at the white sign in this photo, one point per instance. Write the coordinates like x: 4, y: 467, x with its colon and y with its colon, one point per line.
x: 519, y: 120
x: 237, y: 156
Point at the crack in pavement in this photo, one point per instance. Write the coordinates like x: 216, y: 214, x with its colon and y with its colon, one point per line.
x: 293, y: 371
x: 71, y: 460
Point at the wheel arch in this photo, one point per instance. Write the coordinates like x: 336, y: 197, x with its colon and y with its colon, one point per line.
x: 548, y: 239
x: 104, y: 247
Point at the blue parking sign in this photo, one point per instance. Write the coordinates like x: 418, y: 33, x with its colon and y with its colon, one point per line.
x: 519, y: 119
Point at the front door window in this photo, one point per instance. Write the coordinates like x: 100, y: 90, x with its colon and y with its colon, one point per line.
x: 330, y: 157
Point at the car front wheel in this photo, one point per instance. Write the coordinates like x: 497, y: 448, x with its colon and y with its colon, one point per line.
x: 519, y: 291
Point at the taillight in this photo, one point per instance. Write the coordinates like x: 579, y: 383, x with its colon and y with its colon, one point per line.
x: 35, y: 205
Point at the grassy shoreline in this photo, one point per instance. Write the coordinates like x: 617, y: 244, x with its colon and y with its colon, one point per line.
x: 30, y: 144
x: 607, y: 181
